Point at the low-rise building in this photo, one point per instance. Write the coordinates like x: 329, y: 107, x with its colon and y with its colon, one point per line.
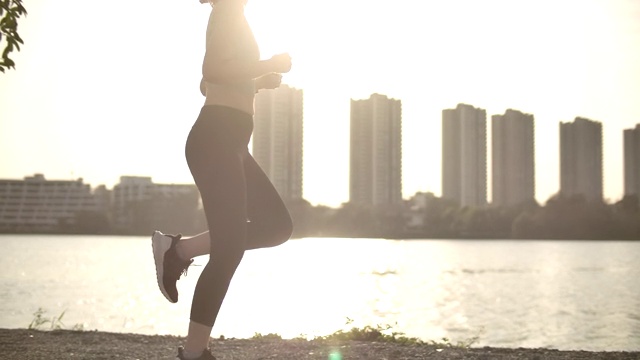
x: 139, y: 206
x: 36, y: 204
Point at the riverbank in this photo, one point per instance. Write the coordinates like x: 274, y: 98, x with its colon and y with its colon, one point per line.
x: 21, y: 344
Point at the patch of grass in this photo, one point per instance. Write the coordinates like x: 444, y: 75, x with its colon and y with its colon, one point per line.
x: 385, y: 333
x: 379, y: 333
x: 270, y: 336
x: 40, y: 320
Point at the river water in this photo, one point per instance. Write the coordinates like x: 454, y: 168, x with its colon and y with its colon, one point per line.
x: 572, y: 295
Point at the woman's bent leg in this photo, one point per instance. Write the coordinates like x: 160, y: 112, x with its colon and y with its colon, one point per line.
x: 270, y: 223
x: 194, y: 246
x: 269, y: 220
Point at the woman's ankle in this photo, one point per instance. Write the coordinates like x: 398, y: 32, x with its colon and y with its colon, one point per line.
x: 197, y: 339
x: 181, y: 250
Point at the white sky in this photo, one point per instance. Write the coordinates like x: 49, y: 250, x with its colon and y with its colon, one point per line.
x: 104, y: 89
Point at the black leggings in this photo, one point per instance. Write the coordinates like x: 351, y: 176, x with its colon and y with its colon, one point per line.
x: 243, y: 209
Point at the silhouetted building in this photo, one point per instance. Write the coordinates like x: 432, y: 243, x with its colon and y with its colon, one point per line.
x: 40, y: 205
x: 632, y: 161
x: 375, y: 166
x: 512, y: 158
x: 277, y: 138
x: 130, y: 191
x: 581, y: 159
x: 464, y: 155
x: 140, y: 205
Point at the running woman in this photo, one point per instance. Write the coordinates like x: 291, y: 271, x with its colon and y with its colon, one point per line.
x: 242, y: 208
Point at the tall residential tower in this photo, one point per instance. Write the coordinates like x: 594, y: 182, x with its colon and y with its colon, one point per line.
x: 632, y: 161
x: 376, y: 151
x: 581, y: 159
x: 277, y: 139
x: 512, y: 158
x: 464, y: 155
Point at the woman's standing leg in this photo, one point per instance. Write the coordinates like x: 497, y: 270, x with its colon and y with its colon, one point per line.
x: 226, y: 215
x: 215, y: 153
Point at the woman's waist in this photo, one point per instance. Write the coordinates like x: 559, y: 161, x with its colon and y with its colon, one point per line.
x: 223, y: 124
x: 232, y: 99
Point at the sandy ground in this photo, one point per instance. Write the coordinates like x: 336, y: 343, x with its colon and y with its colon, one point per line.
x: 65, y: 344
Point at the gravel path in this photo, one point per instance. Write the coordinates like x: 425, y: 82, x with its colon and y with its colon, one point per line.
x: 19, y: 344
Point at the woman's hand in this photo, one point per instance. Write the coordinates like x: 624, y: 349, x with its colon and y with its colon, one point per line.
x: 281, y: 63
x: 268, y: 81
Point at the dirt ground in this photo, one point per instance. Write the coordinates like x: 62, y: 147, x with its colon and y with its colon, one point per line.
x: 20, y: 344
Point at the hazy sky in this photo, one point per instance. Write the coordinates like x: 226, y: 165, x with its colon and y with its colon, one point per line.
x: 104, y: 89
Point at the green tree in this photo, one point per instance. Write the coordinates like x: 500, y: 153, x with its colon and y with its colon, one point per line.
x: 10, y: 11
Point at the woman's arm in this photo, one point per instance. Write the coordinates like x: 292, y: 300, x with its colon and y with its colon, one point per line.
x: 268, y: 81
x: 221, y: 63
x: 217, y: 70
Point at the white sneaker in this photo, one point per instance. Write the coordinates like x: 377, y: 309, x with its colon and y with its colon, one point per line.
x: 169, y: 266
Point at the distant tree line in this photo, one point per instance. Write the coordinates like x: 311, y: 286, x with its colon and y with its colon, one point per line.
x: 568, y: 218
x: 561, y: 217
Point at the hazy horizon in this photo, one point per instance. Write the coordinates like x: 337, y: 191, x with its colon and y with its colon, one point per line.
x: 99, y: 92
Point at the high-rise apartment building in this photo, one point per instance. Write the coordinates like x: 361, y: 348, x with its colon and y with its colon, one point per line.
x: 581, y: 159
x: 632, y: 161
x: 277, y: 138
x: 464, y: 155
x: 512, y: 158
x: 375, y: 166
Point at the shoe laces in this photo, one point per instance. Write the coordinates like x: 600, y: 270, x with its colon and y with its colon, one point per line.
x: 186, y: 269
x: 179, y: 268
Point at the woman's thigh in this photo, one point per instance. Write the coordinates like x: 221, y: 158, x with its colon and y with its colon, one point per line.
x: 270, y: 222
x: 215, y: 153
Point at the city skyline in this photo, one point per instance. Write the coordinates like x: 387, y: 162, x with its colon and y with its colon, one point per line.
x: 512, y: 148
x: 109, y: 102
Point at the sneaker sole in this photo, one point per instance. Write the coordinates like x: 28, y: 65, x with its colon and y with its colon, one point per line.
x: 160, y: 244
